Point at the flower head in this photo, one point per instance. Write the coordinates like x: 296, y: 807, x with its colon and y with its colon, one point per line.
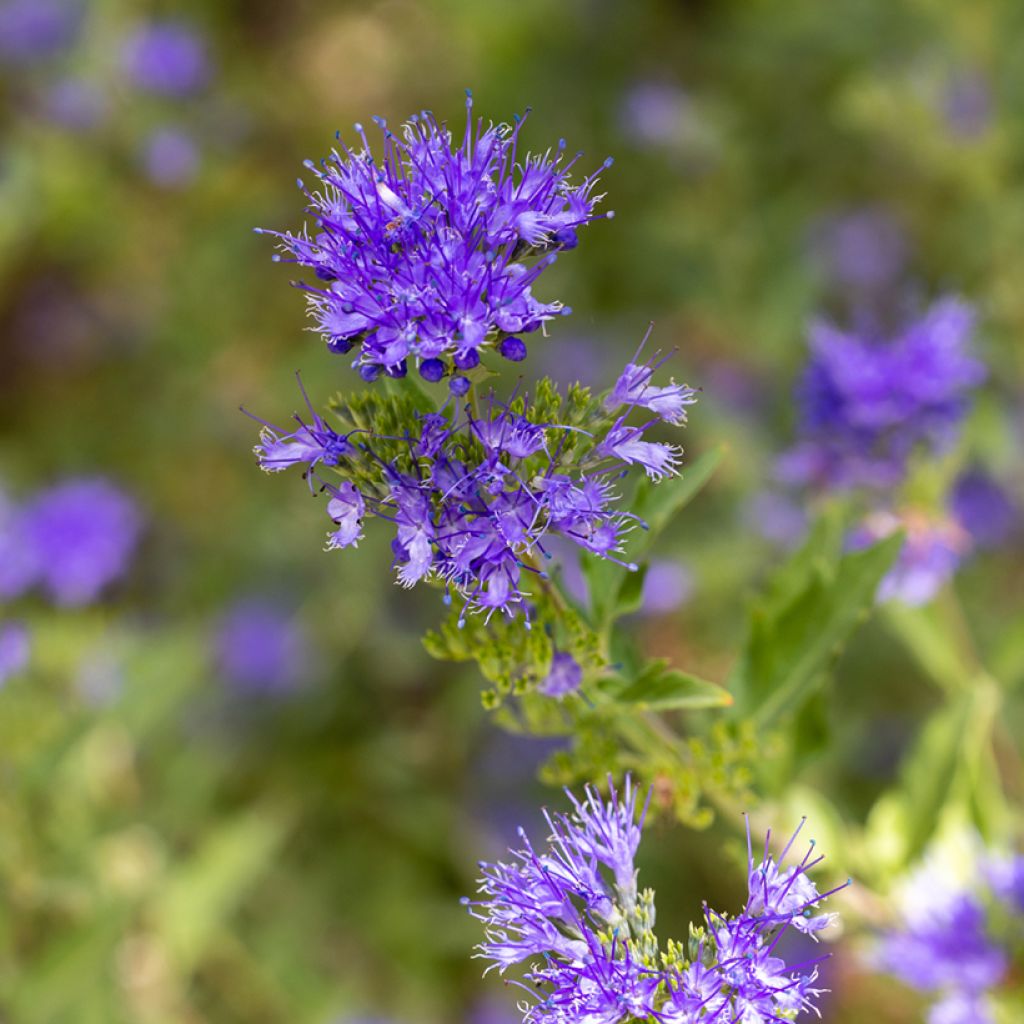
x: 932, y: 551
x: 572, y: 915
x: 73, y: 539
x: 166, y: 57
x: 564, y: 676
x: 35, y: 29
x: 868, y: 405
x: 956, y: 918
x: 260, y: 649
x: 15, y: 649
x: 475, y: 496
x: 427, y: 252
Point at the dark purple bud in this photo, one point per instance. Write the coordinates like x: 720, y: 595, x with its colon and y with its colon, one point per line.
x: 458, y: 386
x: 566, y: 238
x: 370, y: 371
x: 432, y: 370
x: 513, y: 349
x: 468, y: 359
x: 398, y: 370
x: 340, y: 345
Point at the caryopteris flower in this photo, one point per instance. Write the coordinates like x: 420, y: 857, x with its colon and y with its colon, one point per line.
x: 960, y: 916
x: 868, y: 404
x: 427, y: 252
x: 15, y: 649
x: 571, y: 921
x: 261, y: 649
x: 167, y: 57
x: 932, y: 551
x: 475, y: 495
x: 72, y: 540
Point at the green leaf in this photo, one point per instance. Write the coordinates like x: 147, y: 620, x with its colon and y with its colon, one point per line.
x: 411, y: 388
x: 199, y: 898
x: 660, y: 688
x: 798, y: 631
x: 658, y: 503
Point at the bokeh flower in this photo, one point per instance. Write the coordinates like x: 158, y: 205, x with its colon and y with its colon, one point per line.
x: 957, y: 922
x: 867, y: 404
x: 167, y: 57
x: 260, y: 648
x: 15, y: 649
x: 984, y: 508
x: 35, y: 29
x: 932, y: 551
x: 72, y: 540
x: 170, y: 158
x: 83, y: 532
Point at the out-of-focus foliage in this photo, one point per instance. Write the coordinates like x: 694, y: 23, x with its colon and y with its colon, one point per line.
x: 186, y: 839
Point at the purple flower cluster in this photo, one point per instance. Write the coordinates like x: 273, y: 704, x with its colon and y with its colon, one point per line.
x: 429, y: 253
x: 260, y: 649
x: 72, y: 540
x: 15, y: 649
x: 931, y: 554
x: 31, y: 30
x: 868, y: 405
x: 166, y: 57
x: 953, y: 941
x: 475, y: 496
x: 570, y: 917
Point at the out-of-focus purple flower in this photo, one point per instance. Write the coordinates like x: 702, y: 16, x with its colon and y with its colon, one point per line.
x: 564, y: 677
x: 572, y: 912
x: 967, y: 105
x: 961, y: 1008
x: 667, y: 587
x: 983, y: 508
x: 663, y: 117
x: 654, y: 113
x: 170, y: 158
x: 943, y: 944
x: 862, y: 249
x: 491, y: 1011
x: 15, y: 649
x: 166, y: 57
x: 1005, y: 876
x: 776, y: 517
x: 261, y: 649
x: 34, y: 29
x: 932, y: 552
x: 75, y: 104
x: 19, y: 564
x: 420, y: 254
x: 82, y: 533
x: 867, y: 405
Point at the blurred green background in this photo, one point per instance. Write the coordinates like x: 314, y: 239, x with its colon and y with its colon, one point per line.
x: 178, y: 848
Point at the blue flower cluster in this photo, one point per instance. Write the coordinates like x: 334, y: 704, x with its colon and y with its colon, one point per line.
x: 868, y: 404
x: 955, y: 936
x: 474, y: 495
x: 429, y: 253
x: 868, y: 407
x: 426, y: 257
x: 570, y: 916
x: 72, y: 540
